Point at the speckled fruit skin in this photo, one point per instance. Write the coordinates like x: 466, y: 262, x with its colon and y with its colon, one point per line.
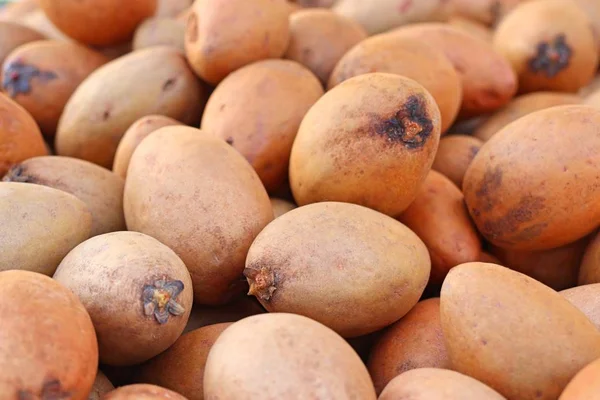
x: 142, y: 392
x: 47, y: 343
x: 454, y: 155
x: 585, y: 298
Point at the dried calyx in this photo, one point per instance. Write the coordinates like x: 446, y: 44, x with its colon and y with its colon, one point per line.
x: 160, y: 300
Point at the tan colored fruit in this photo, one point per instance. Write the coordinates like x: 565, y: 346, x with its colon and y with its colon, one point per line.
x: 592, y: 10
x: 199, y: 196
x: 48, y: 346
x: 489, y: 12
x: 473, y: 28
x: 16, y: 10
x: 585, y: 385
x: 39, y: 21
x: 585, y: 298
x: 160, y: 32
x: 240, y: 308
x: 590, y: 265
x: 454, y: 155
x: 142, y: 392
x: 593, y: 99
x: 284, y: 356
x: 281, y: 207
x: 13, y: 35
x: 172, y: 8
x: 101, y: 387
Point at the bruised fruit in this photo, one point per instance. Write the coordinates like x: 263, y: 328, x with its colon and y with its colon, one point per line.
x: 347, y: 276
x: 513, y: 333
x: 62, y: 365
x: 13, y: 35
x: 412, y: 59
x: 319, y: 38
x: 370, y: 140
x: 585, y: 298
x: 160, y: 32
x: 533, y: 187
x: 136, y: 290
x: 590, y: 265
x: 550, y: 45
x: 256, y: 30
x: 454, y: 155
x: 242, y: 307
x: 199, y: 196
x: 268, y: 99
x: 416, y: 341
x: 156, y: 80
x: 101, y: 387
x: 98, y: 188
x: 40, y: 225
x: 101, y: 22
x: 585, y: 385
x: 142, y: 392
x: 284, y: 356
x: 281, y: 207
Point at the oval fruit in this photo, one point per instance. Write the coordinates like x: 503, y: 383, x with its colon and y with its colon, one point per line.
x: 160, y: 32
x: 214, y: 52
x: 342, y: 244
x: 151, y: 81
x: 454, y: 155
x: 472, y: 27
x: 64, y: 363
x: 199, y: 196
x: 416, y: 341
x: 370, y: 140
x: 13, y: 35
x: 410, y: 58
x: 142, y: 392
x: 590, y: 265
x: 136, y: 290
x: 40, y: 225
x: 284, y: 356
x: 552, y: 206
x: 101, y: 387
x: 585, y: 298
x: 281, y: 207
x: 585, y: 385
x: 502, y: 328
x: 269, y: 99
x: 241, y: 308
x: 98, y: 188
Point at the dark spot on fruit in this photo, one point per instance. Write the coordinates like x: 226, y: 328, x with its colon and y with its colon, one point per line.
x: 410, y: 125
x: 474, y: 151
x: 159, y: 299
x: 168, y: 84
x: 17, y: 77
x: 17, y: 174
x: 105, y: 115
x: 551, y: 57
x: 484, y: 342
x: 192, y: 28
x: 492, y: 180
x: 507, y: 229
x: 263, y: 282
x: 538, y: 394
x: 229, y: 141
x: 495, y: 13
x: 51, y: 390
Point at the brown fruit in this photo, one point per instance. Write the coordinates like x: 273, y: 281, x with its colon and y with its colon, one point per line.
x: 284, y: 356
x: 160, y: 32
x: 371, y: 141
x: 416, y: 341
x: 240, y: 308
x: 585, y: 298
x: 590, y: 265
x: 150, y: 81
x: 549, y: 44
x: 342, y: 244
x: 38, y: 21
x: 488, y: 80
x: 531, y: 187
x: 13, y: 35
x: 489, y: 12
x: 503, y: 329
x: 100, y: 23
x: 472, y: 27
x: 199, y: 196
x: 585, y: 385
x: 281, y: 207
x: 268, y: 99
x: 142, y: 392
x: 101, y: 387
x: 136, y: 290
x: 255, y: 30
x: 412, y: 59
x: 98, y: 188
x: 171, y: 8
x: 486, y: 257
x: 454, y: 155
x: 319, y: 38
x: 48, y: 346
x: 592, y: 11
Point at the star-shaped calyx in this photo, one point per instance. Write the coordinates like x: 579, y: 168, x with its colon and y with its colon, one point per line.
x: 160, y: 300
x: 17, y: 76
x: 552, y: 56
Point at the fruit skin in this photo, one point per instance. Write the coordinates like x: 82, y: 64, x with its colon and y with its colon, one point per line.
x: 454, y: 155
x: 15, y: 11
x: 35, y: 307
x: 585, y: 298
x: 585, y: 385
x: 489, y: 12
x: 13, y: 35
x: 46, y: 221
x: 531, y: 187
x: 172, y: 8
x: 410, y: 58
x: 269, y: 99
x: 256, y: 30
x: 358, y: 270
x: 590, y: 265
x: 513, y: 333
x: 98, y: 188
x: 284, y: 356
x: 199, y: 196
x: 156, y: 80
x: 142, y: 392
x: 536, y: 32
x: 160, y: 31
x: 98, y: 23
x: 370, y: 141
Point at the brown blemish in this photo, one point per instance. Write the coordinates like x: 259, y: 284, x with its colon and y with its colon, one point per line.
x: 229, y: 141
x: 17, y: 174
x: 552, y: 56
x: 410, y: 125
x: 492, y: 180
x: 51, y: 390
x: 106, y: 115
x: 509, y: 224
x: 495, y: 13
x: 169, y: 84
x: 262, y: 282
x: 192, y: 28
x: 159, y: 299
x: 17, y: 77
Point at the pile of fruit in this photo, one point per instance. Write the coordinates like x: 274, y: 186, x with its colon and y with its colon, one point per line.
x: 313, y: 200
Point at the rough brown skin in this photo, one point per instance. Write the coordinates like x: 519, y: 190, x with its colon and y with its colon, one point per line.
x: 340, y: 247
x: 515, y: 208
x: 241, y: 308
x: 489, y: 12
x: 256, y: 30
x: 585, y: 385
x: 111, y: 274
x: 171, y: 8
x: 585, y: 298
x: 101, y: 387
x: 156, y: 80
x: 379, y: 116
x: 550, y: 45
x: 590, y: 265
x: 284, y: 356
x: 488, y: 80
x: 137, y: 132
x: 521, y: 106
x: 454, y: 156
x: 439, y: 217
x: 142, y: 392
x: 269, y: 99
x: 472, y: 27
x: 61, y: 365
x: 203, y: 200
x: 436, y: 383
x: 181, y: 367
x: 416, y: 341
x: 13, y: 35
x: 319, y: 38
x: 160, y: 32
x: 513, y: 333
x: 99, y: 23
x: 281, y: 207
x: 412, y: 59
x: 46, y: 221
